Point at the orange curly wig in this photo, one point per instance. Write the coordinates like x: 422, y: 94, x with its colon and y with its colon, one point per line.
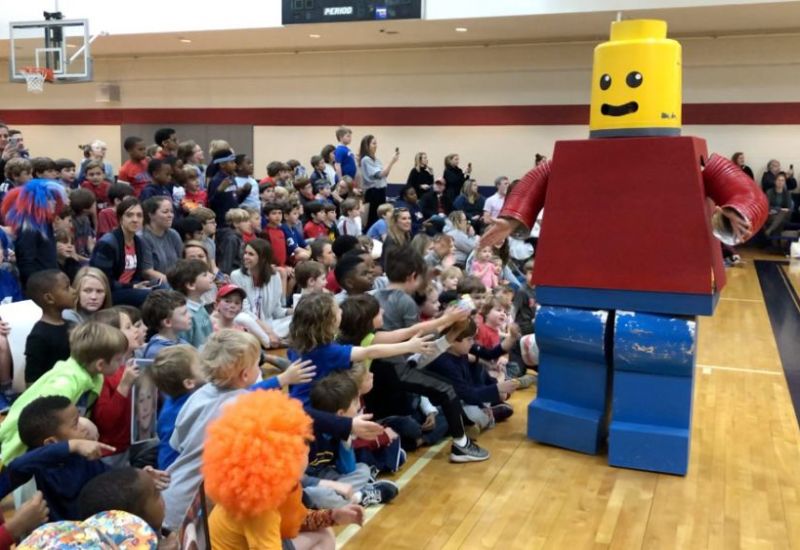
x: 255, y: 452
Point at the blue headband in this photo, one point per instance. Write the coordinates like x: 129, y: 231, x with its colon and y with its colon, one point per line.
x: 229, y: 158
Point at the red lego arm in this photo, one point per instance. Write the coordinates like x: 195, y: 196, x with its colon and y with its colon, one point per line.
x: 729, y: 187
x: 525, y: 201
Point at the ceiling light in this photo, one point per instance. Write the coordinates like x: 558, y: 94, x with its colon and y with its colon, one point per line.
x: 72, y: 46
x: 185, y: 40
x: 315, y: 36
x: 461, y: 29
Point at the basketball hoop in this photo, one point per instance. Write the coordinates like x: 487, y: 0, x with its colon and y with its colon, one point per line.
x: 35, y: 78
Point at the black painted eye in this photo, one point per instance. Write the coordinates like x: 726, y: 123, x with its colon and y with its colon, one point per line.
x: 605, y: 82
x: 634, y: 79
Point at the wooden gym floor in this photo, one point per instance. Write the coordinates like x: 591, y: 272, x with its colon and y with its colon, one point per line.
x: 742, y: 489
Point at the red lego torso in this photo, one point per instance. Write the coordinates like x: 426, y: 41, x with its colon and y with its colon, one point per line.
x: 631, y: 215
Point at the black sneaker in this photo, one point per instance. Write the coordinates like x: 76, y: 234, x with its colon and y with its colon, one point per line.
x: 468, y: 453
x: 502, y: 412
x: 380, y: 492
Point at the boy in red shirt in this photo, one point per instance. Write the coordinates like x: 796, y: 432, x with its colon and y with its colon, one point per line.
x: 96, y: 183
x: 134, y: 171
x: 315, y: 227
x: 274, y: 233
x: 107, y: 217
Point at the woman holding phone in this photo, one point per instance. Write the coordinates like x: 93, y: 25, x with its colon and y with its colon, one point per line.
x: 373, y: 176
x: 120, y: 254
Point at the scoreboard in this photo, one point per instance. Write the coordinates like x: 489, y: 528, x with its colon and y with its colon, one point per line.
x: 333, y: 11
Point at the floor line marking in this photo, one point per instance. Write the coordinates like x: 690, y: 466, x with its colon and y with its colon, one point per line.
x: 741, y: 300
x: 737, y: 369
x: 409, y: 474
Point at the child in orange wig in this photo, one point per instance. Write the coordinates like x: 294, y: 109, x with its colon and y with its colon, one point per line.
x: 254, y: 457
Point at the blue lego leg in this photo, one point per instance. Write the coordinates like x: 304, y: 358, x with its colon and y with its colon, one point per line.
x: 570, y: 408
x: 653, y: 359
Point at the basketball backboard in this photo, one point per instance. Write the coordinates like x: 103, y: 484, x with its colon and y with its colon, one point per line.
x: 60, y: 45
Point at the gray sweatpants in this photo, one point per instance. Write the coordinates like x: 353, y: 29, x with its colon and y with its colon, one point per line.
x: 325, y: 497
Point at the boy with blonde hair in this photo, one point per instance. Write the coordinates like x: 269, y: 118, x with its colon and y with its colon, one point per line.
x: 95, y: 350
x: 230, y: 365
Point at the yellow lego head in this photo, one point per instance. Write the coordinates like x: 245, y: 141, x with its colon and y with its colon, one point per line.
x: 636, y: 82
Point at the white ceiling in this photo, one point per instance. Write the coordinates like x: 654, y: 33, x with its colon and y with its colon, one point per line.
x: 750, y: 19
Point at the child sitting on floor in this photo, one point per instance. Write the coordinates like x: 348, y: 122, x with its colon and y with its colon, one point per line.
x: 332, y: 458
x: 482, y: 396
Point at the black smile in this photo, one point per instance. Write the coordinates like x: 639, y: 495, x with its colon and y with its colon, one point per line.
x: 619, y: 110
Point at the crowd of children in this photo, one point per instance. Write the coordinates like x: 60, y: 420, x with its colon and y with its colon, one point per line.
x: 170, y: 293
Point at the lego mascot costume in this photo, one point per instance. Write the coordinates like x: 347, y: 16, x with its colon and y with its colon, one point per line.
x: 628, y: 256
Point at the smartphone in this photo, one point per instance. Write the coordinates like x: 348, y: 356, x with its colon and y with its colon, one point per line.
x: 151, y: 283
x: 13, y: 141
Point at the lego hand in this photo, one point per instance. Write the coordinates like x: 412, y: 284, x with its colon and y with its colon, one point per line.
x: 299, y: 372
x: 29, y: 516
x: 160, y: 477
x: 739, y: 226
x: 348, y: 514
x: 498, y: 232
x: 89, y: 449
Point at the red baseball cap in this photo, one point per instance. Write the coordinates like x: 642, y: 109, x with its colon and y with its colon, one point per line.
x: 228, y: 289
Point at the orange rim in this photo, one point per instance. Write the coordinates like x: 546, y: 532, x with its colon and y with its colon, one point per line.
x: 48, y: 73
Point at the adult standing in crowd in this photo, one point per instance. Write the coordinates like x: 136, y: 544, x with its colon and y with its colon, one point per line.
x: 454, y: 176
x: 373, y: 176
x: 421, y: 176
x: 163, y: 245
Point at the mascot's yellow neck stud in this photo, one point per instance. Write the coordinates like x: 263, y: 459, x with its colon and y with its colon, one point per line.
x: 636, y: 82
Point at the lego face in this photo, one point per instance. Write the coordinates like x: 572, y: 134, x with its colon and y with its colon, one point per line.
x: 636, y: 82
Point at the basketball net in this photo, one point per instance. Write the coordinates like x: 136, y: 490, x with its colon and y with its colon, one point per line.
x: 35, y: 78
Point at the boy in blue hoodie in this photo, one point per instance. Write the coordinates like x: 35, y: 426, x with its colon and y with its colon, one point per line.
x: 481, y: 395
x: 59, y: 459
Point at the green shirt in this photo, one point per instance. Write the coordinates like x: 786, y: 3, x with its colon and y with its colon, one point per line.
x: 68, y: 379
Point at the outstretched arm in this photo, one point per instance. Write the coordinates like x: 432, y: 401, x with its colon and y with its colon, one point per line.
x: 743, y: 206
x: 521, y: 206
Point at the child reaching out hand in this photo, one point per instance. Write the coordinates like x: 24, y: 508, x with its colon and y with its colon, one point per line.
x: 314, y: 327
